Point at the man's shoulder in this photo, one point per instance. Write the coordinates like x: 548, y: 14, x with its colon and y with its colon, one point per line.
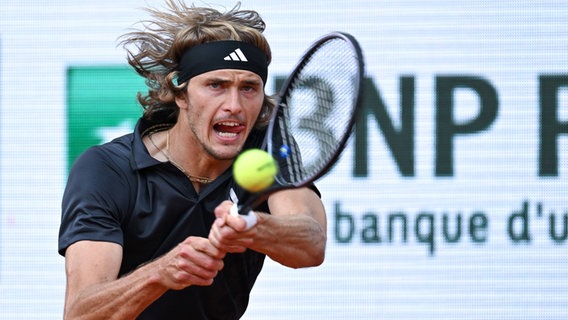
x: 117, y: 151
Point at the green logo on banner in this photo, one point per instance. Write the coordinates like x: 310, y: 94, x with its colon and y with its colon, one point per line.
x: 101, y: 105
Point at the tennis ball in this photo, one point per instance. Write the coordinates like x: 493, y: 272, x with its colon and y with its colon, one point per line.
x: 254, y: 170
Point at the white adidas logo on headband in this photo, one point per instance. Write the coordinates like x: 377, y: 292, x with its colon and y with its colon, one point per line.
x: 236, y: 55
x: 210, y: 56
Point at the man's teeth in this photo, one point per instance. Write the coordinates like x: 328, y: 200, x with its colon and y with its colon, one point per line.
x: 227, y: 134
x: 229, y: 124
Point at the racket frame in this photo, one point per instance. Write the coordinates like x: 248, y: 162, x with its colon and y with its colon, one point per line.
x: 257, y: 198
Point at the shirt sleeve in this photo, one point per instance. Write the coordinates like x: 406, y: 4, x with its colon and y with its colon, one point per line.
x: 95, y: 199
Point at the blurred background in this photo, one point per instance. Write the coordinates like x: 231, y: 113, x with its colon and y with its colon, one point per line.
x: 449, y: 203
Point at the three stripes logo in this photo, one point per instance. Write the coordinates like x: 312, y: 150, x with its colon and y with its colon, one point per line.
x: 236, y: 55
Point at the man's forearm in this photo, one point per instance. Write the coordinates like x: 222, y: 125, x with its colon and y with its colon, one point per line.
x: 295, y: 241
x: 124, y: 298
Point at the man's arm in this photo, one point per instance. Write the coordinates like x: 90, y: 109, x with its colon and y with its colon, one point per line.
x: 94, y: 292
x: 294, y: 234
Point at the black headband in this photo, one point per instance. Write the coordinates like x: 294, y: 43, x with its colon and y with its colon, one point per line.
x: 222, y: 55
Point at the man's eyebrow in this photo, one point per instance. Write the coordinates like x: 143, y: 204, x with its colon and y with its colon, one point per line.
x: 222, y: 80
x: 252, y: 81
x: 217, y: 79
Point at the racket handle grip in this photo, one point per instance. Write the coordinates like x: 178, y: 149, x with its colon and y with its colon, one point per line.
x: 246, y: 213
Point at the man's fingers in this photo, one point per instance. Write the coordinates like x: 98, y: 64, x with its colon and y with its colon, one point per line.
x: 193, y: 262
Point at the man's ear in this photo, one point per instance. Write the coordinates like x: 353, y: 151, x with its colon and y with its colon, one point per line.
x: 181, y: 101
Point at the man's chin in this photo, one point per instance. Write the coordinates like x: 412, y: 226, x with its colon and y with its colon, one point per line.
x: 225, y: 153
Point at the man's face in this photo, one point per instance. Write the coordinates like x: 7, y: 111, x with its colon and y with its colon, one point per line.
x: 221, y: 108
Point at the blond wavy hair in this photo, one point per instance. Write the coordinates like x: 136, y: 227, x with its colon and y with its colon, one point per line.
x: 155, y: 50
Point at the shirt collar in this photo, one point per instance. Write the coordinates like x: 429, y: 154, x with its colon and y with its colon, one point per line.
x: 141, y: 158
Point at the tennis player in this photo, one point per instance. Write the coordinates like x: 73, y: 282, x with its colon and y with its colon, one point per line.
x: 146, y: 230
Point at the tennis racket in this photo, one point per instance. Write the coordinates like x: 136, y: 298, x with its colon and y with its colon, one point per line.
x: 318, y: 106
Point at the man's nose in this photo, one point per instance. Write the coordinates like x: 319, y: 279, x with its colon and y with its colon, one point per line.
x: 233, y: 102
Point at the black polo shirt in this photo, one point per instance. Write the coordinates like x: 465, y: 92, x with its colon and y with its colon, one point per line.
x: 117, y: 192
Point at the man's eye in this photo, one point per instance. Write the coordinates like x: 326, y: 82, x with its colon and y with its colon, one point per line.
x: 251, y: 88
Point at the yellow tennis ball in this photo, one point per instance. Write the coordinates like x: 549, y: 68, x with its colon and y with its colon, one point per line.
x: 254, y: 170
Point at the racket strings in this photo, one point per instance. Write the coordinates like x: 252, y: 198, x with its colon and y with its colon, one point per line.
x: 318, y: 110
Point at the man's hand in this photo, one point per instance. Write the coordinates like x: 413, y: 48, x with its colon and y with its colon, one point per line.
x: 229, y: 232
x: 195, y: 261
